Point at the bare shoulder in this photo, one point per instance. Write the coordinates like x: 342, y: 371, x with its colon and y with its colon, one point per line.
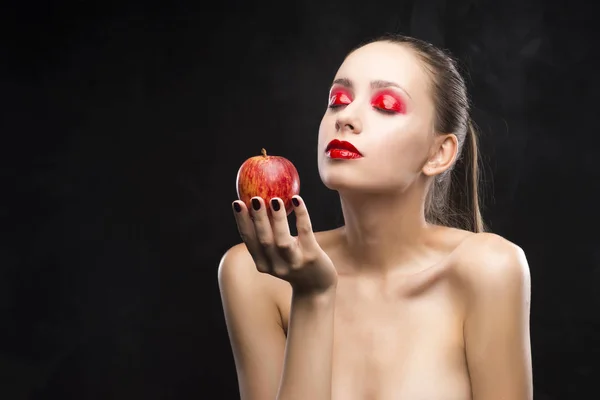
x: 237, y: 269
x: 489, y: 263
x: 495, y: 288
x: 235, y: 263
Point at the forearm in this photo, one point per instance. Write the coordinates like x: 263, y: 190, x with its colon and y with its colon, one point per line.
x: 308, y: 354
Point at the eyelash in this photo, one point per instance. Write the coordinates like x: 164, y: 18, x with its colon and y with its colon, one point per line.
x: 334, y: 107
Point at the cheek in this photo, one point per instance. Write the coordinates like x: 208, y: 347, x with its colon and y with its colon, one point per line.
x: 402, y: 150
x: 326, y: 129
x: 322, y: 134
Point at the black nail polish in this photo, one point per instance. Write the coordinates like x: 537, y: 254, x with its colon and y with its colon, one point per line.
x: 256, y: 204
x: 237, y: 207
x: 275, y: 205
x: 295, y: 201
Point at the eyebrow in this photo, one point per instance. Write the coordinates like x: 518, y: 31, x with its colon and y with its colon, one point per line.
x: 377, y: 84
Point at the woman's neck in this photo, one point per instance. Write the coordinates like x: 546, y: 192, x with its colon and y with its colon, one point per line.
x: 383, y: 231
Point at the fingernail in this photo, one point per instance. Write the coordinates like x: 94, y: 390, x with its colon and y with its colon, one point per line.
x: 295, y: 201
x: 275, y: 204
x: 237, y: 207
x: 256, y: 204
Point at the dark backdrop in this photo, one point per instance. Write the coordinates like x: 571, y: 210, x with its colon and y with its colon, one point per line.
x: 123, y: 127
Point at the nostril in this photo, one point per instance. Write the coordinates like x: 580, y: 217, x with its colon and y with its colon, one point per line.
x: 349, y: 126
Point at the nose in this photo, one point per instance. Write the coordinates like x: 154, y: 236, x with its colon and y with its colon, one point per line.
x: 348, y: 121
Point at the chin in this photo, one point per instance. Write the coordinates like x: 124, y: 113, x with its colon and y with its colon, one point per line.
x: 337, y: 182
x: 342, y: 181
x: 354, y: 183
x: 339, y: 173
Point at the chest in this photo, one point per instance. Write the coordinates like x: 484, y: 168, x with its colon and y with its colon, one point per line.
x: 392, y: 345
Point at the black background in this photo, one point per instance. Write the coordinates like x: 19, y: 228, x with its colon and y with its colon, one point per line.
x: 123, y: 127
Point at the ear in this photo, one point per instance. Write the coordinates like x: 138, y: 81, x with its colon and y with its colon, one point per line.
x: 443, y: 153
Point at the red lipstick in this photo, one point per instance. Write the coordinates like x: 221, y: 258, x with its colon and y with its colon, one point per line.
x: 342, y: 149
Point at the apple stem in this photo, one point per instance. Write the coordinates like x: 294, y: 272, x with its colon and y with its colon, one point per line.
x: 264, y: 152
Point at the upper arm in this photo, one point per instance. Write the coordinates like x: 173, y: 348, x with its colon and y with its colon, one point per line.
x: 497, y: 334
x: 253, y: 324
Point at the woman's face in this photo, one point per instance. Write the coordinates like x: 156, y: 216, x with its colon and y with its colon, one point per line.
x: 380, y: 103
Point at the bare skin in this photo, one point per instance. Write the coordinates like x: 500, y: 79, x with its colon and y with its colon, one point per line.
x: 399, y: 308
x: 402, y: 336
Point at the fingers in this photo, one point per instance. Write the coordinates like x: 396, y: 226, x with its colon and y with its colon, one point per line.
x: 268, y: 238
x: 306, y: 236
x: 284, y: 242
x: 248, y: 235
x: 264, y: 233
x: 272, y: 237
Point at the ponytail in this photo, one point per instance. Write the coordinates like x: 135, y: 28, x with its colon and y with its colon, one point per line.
x: 464, y: 196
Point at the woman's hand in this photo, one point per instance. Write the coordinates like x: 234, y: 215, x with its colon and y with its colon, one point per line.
x: 297, y: 260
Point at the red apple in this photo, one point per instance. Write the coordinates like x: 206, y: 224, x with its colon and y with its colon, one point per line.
x: 268, y: 176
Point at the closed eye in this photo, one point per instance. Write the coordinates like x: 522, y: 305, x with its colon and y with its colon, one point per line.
x: 339, y: 98
x: 388, y: 103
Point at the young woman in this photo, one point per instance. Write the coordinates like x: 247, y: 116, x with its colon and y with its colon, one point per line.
x: 410, y: 299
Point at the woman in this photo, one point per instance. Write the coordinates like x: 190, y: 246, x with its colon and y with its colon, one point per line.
x: 410, y: 299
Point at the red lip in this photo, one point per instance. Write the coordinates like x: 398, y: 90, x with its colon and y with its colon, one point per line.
x: 342, y: 145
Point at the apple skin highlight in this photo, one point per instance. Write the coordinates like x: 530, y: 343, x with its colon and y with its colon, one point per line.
x: 268, y: 176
